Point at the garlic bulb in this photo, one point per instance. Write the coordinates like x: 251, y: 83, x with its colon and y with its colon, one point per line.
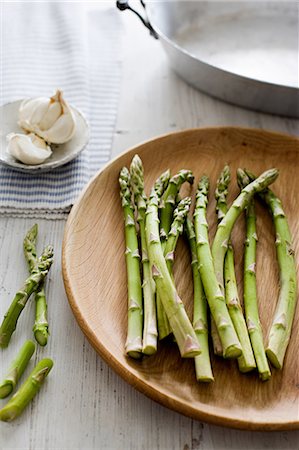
x: 50, y: 118
x: 28, y: 148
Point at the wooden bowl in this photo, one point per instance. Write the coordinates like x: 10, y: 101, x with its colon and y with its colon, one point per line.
x: 95, y: 277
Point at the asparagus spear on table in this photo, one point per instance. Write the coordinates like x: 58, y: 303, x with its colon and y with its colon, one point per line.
x: 133, y: 345
x: 167, y: 206
x: 150, y: 332
x: 214, y: 295
x: 16, y: 369
x: 246, y: 361
x: 203, y: 368
x: 250, y: 289
x: 27, y: 391
x: 32, y: 283
x: 41, y: 326
x: 173, y: 305
x: 281, y: 327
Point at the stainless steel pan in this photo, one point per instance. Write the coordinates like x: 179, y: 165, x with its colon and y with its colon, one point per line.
x: 243, y: 52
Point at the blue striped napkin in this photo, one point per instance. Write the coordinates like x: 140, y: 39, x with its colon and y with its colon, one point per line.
x: 68, y: 46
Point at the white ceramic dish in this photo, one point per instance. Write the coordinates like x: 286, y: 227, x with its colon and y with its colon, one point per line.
x: 62, y: 153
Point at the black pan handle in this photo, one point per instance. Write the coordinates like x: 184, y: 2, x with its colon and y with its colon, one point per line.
x: 122, y: 5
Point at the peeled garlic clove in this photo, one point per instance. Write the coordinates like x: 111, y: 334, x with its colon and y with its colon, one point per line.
x: 50, y: 118
x: 28, y: 148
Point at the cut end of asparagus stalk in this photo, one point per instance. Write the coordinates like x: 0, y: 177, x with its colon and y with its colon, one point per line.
x: 134, y: 348
x: 134, y: 354
x: 265, y: 376
x: 150, y: 348
x: 203, y: 369
x: 233, y: 351
x: 244, y: 367
x: 6, y: 389
x: 205, y: 379
x: 8, y: 415
x: 41, y: 335
x: 272, y: 356
x: 191, y: 347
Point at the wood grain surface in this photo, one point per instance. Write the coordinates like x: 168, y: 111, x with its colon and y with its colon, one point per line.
x: 95, y: 277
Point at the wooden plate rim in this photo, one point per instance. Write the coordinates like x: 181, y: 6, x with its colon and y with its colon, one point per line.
x: 140, y: 385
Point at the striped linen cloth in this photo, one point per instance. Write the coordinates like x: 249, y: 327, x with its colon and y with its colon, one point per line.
x: 45, y: 46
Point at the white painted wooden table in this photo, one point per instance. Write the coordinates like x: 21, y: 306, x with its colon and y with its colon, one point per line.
x: 84, y: 404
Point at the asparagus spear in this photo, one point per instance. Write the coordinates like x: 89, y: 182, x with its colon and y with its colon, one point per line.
x: 27, y: 391
x: 221, y: 192
x: 225, y: 227
x: 167, y: 206
x: 176, y: 229
x: 16, y: 369
x: 168, y: 200
x: 168, y: 248
x: 283, y: 318
x: 220, y: 243
x: 250, y: 291
x: 203, y: 368
x: 173, y: 305
x: 133, y: 346
x: 32, y: 283
x: 164, y: 328
x: 246, y: 361
x: 150, y: 332
x: 29, y: 245
x: 215, y: 298
x: 41, y: 326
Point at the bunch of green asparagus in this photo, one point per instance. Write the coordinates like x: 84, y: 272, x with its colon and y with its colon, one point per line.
x: 38, y: 268
x: 155, y: 310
